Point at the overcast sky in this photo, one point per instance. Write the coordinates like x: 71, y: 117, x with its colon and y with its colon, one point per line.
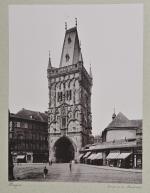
x: 111, y: 40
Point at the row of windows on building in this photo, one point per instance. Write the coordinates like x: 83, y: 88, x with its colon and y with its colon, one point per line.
x: 25, y: 125
x: 20, y: 145
x: 27, y: 136
x: 74, y: 129
x: 70, y: 115
x: 67, y: 95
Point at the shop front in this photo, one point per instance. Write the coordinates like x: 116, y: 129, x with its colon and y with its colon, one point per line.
x: 138, y: 158
x: 112, y: 159
x: 124, y: 160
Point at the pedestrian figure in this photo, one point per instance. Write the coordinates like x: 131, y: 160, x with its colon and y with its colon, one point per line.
x: 70, y: 165
x: 51, y: 162
x: 45, y: 171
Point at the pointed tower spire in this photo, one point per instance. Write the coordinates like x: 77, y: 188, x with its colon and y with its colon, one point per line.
x: 90, y: 72
x: 71, y: 52
x: 49, y: 62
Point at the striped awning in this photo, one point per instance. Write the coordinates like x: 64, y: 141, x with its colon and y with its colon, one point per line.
x: 112, y: 156
x: 94, y: 156
x: 99, y: 156
x: 87, y: 154
x: 91, y: 156
x: 123, y: 155
x: 80, y: 155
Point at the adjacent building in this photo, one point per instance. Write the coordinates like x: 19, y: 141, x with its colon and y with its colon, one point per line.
x: 97, y: 139
x: 69, y: 114
x: 121, y: 144
x: 28, y: 132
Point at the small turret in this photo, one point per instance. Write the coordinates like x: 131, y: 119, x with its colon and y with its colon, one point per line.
x: 49, y: 62
x: 90, y: 72
x: 114, y: 115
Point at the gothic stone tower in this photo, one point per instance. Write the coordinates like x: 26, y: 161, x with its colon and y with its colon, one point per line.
x: 69, y: 123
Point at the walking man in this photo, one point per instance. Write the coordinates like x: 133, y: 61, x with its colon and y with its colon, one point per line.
x: 45, y: 171
x: 70, y: 165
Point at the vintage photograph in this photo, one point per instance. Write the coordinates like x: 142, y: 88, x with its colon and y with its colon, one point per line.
x: 75, y: 93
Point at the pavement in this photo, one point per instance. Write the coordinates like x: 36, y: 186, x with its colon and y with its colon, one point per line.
x: 115, y: 168
x: 79, y: 173
x: 89, y: 165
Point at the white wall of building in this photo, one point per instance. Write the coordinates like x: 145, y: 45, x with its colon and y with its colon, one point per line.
x: 120, y: 134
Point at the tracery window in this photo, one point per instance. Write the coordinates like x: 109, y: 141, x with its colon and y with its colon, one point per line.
x: 59, y: 96
x: 63, y: 121
x: 68, y: 94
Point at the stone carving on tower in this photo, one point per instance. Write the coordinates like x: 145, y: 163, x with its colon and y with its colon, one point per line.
x: 69, y: 86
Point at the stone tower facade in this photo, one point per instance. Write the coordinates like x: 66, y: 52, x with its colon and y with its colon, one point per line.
x: 69, y: 119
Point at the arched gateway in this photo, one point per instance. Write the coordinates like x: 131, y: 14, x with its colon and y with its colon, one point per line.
x: 69, y: 114
x: 64, y: 150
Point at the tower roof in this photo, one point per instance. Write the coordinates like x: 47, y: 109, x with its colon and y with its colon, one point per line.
x: 122, y: 121
x: 71, y: 52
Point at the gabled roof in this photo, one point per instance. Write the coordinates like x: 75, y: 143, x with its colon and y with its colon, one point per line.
x: 32, y: 115
x: 122, y: 121
x: 71, y: 52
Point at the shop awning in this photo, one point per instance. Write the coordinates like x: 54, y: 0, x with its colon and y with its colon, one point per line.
x: 91, y: 156
x: 94, y: 156
x: 20, y: 156
x: 113, y: 156
x: 123, y: 155
x: 80, y: 155
x: 99, y: 156
x: 87, y: 154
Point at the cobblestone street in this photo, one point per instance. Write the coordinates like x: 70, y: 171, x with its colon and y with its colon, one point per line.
x: 79, y: 173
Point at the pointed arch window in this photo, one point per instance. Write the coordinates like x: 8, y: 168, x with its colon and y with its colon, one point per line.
x: 69, y: 94
x: 63, y: 122
x: 59, y: 96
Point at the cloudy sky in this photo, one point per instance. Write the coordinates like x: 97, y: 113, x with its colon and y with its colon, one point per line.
x: 111, y: 40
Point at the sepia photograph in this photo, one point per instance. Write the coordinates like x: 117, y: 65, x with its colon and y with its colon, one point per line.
x: 75, y: 93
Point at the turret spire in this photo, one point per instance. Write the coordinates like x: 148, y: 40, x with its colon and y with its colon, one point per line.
x: 90, y: 72
x: 114, y: 109
x: 49, y: 61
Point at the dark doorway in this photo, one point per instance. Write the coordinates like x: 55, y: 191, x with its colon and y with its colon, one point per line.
x: 64, y: 150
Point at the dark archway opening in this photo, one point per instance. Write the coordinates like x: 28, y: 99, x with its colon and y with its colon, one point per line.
x: 64, y: 150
